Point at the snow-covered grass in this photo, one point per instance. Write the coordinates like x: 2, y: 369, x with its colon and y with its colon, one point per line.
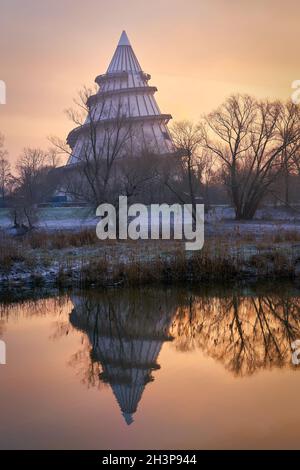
x: 65, y: 213
x: 66, y: 259
x: 56, y: 218
x: 218, y: 219
x: 64, y: 250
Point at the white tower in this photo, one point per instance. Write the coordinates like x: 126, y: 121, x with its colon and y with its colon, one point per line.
x: 124, y: 93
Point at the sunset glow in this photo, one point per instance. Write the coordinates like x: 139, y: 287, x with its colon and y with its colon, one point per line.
x: 197, y: 52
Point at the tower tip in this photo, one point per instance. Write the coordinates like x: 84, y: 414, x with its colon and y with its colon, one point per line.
x: 128, y: 418
x: 124, y: 41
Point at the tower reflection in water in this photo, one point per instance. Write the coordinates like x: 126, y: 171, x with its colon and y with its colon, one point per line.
x: 126, y: 333
x: 243, y: 331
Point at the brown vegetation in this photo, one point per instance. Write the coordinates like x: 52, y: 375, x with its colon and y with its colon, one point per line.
x: 67, y: 259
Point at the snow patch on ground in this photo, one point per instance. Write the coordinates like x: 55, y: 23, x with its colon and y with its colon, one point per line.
x: 219, y: 220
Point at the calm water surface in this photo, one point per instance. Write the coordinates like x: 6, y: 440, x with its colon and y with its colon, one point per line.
x: 151, y: 368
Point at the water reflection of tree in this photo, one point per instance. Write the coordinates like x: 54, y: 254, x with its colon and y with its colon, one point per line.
x: 87, y: 369
x: 244, y: 333
x: 2, y: 328
x: 124, y: 330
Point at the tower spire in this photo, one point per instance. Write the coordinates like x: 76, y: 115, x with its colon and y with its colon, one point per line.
x: 124, y: 58
x: 124, y: 41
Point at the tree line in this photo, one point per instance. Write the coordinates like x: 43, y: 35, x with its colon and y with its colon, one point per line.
x: 244, y: 153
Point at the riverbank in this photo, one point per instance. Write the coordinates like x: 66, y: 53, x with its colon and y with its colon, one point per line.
x: 79, y: 259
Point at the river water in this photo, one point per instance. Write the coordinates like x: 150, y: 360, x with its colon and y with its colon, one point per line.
x: 167, y: 368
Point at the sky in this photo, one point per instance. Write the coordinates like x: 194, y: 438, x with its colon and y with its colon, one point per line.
x: 198, y: 52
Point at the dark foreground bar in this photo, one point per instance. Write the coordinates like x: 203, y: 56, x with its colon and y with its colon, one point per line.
x: 134, y: 459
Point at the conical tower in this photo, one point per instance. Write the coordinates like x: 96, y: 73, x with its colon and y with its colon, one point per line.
x: 124, y: 94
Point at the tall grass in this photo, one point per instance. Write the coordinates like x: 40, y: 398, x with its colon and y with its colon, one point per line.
x: 60, y: 239
x: 115, y: 263
x: 11, y: 252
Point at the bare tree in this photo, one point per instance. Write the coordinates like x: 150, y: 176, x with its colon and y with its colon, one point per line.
x: 34, y: 182
x: 105, y: 137
x: 138, y: 175
x: 192, y: 165
x: 250, y: 137
x: 5, y: 169
x: 290, y: 154
x: 296, y: 162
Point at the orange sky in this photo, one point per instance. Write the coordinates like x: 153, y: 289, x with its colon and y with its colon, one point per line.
x: 197, y: 51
